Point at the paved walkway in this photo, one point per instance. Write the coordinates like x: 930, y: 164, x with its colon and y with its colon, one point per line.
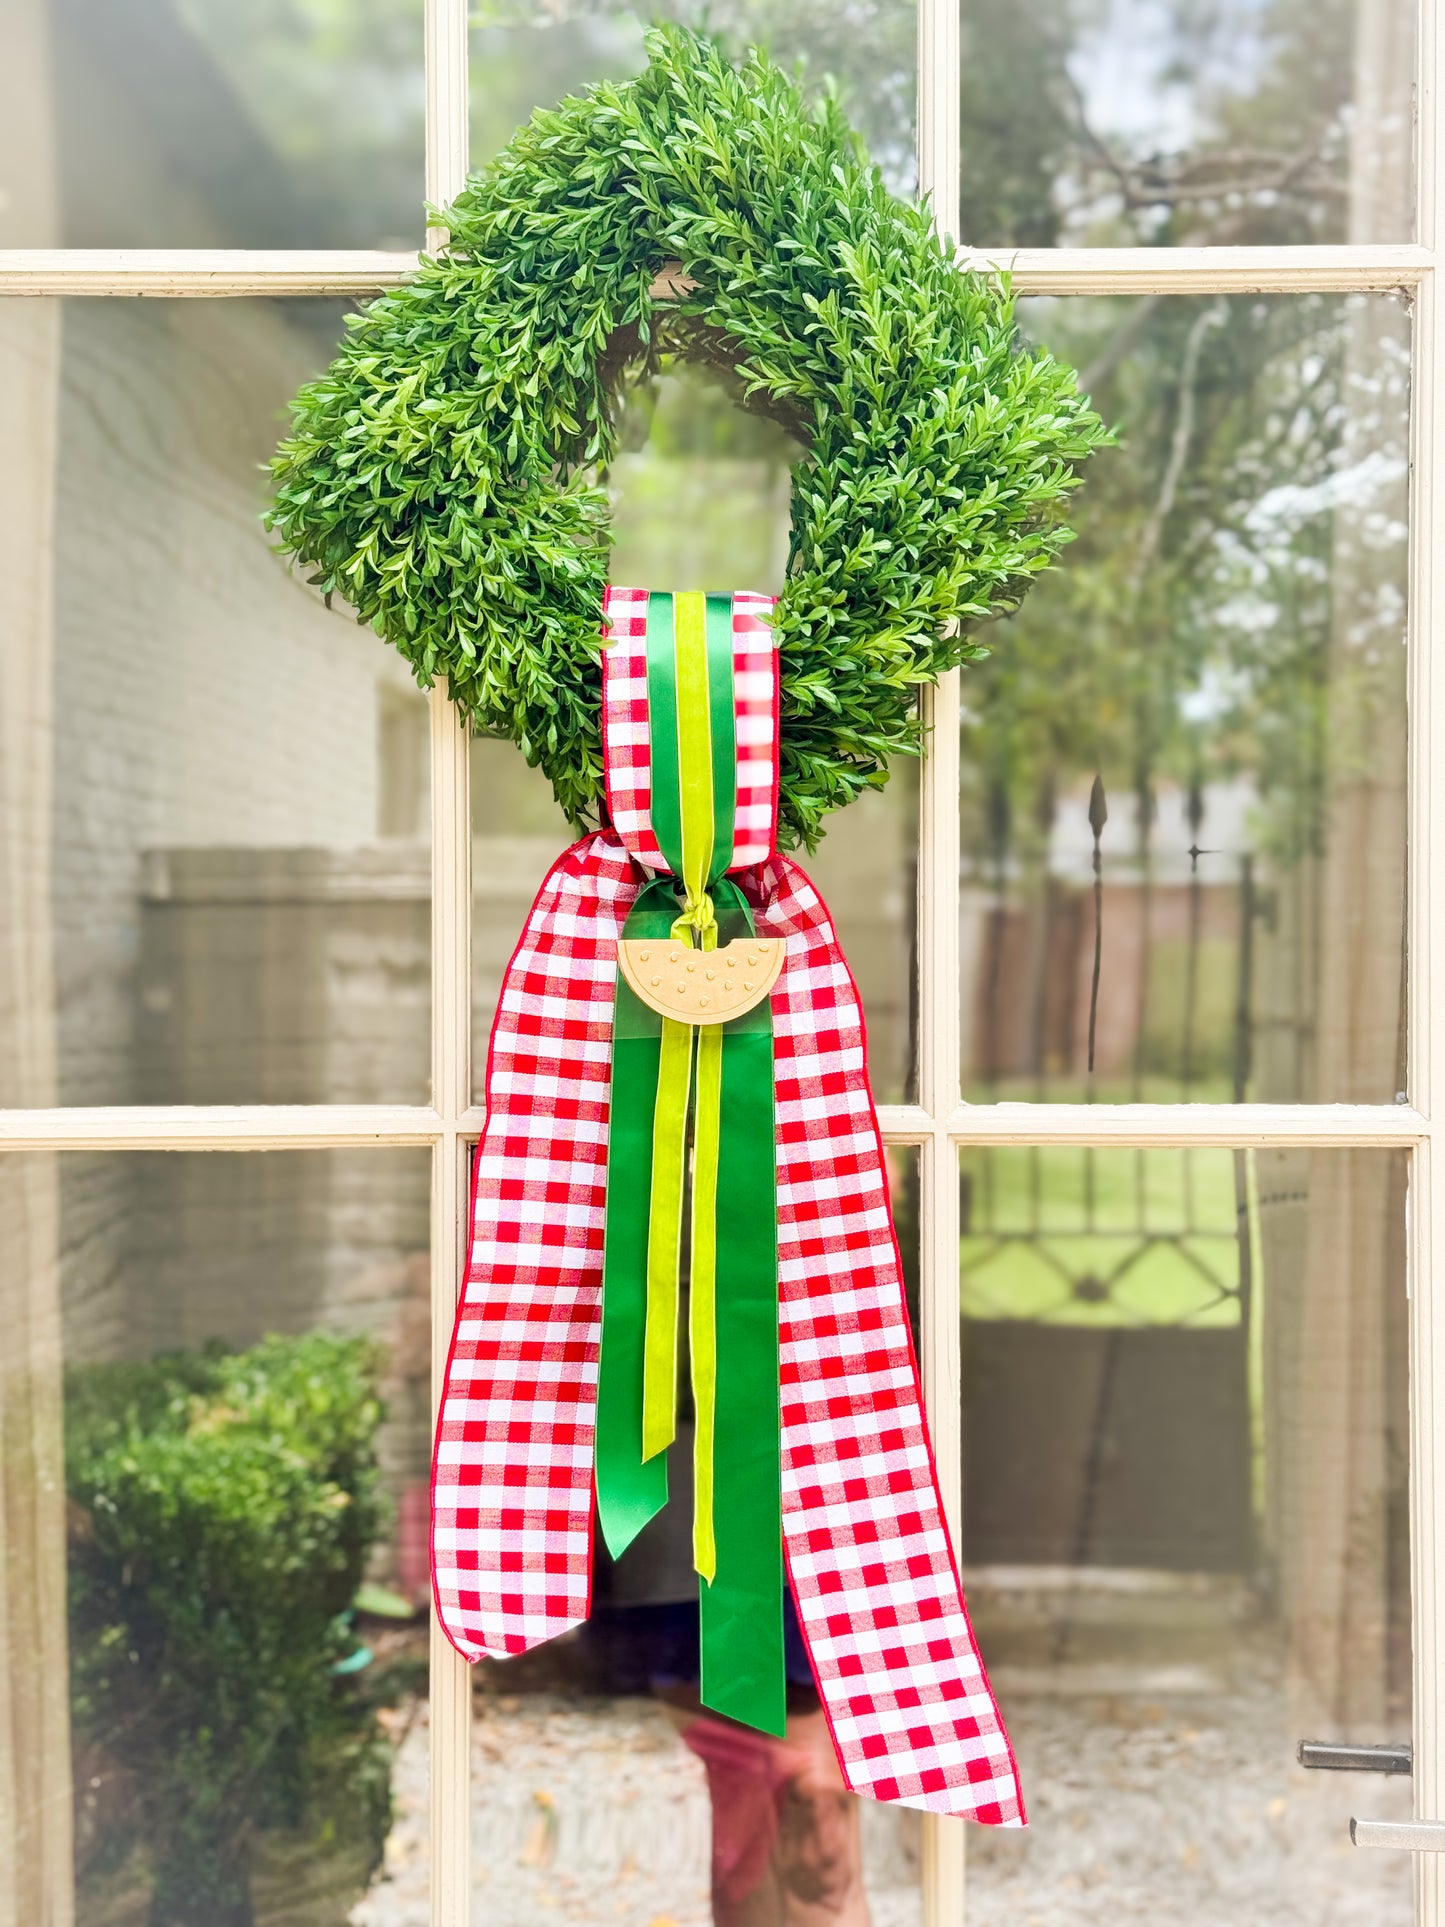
x: 1156, y: 1756
x: 590, y: 1811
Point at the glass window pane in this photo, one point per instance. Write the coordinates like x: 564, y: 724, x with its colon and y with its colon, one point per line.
x: 215, y: 123
x: 602, y: 1790
x: 904, y: 1181
x: 214, y: 799
x: 701, y: 491
x: 525, y: 57
x: 1248, y: 122
x: 1184, y: 763
x: 1185, y: 1430
x: 216, y: 1413
x: 866, y: 870
x: 700, y: 496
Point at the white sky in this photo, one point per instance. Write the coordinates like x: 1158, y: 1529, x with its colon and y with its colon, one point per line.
x: 1121, y: 67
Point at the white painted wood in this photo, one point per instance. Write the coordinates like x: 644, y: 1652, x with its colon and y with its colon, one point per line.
x: 939, y: 161
x: 939, y: 1122
x: 451, y: 928
x: 944, y: 1852
x: 37, y: 1875
x: 1427, y: 1510
x: 1237, y: 1126
x: 940, y: 154
x: 299, y: 1127
x: 905, y: 1123
x: 451, y: 915
x: 205, y: 272
x: 944, y: 1840
x: 1426, y: 960
x: 198, y: 271
x: 219, y: 1127
x: 447, y: 105
x: 938, y: 1079
x: 1342, y: 269
x: 1427, y: 516
x: 451, y: 925
x: 451, y: 1676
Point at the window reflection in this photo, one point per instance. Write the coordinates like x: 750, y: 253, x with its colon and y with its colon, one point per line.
x: 215, y: 123
x: 213, y: 1612
x: 526, y: 56
x: 701, y: 500
x: 1186, y: 1519
x: 1184, y: 767
x: 1251, y: 122
x: 216, y: 1395
x: 701, y: 489
x: 214, y: 803
x: 603, y: 1789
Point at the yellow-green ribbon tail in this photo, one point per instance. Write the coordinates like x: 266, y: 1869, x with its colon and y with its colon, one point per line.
x: 702, y: 1321
x: 696, y: 926
x: 664, y: 1238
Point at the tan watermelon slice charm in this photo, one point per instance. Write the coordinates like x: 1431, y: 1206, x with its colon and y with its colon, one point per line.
x: 701, y: 986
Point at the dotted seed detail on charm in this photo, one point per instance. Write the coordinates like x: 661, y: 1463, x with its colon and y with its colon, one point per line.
x: 645, y: 956
x: 692, y: 986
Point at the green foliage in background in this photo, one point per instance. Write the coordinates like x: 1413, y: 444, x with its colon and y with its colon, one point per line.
x: 446, y: 475
x: 222, y: 1509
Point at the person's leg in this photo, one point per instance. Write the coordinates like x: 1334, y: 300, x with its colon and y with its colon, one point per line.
x: 786, y: 1833
x: 786, y: 1840
x: 818, y: 1855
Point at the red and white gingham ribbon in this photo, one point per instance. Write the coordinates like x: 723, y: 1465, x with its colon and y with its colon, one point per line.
x: 868, y: 1556
x: 627, y: 750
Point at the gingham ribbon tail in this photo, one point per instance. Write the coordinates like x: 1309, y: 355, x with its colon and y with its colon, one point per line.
x: 516, y: 1468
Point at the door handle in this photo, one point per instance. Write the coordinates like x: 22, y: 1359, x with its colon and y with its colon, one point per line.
x: 1324, y: 1756
x: 1405, y: 1836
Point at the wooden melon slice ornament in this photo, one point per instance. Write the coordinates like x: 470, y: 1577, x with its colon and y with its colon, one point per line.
x: 702, y: 986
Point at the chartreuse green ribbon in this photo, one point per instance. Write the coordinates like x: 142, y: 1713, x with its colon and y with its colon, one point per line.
x: 728, y: 1092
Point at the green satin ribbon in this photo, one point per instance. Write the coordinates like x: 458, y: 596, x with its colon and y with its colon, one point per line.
x: 742, y: 1610
x: 631, y: 1484
x: 732, y: 1323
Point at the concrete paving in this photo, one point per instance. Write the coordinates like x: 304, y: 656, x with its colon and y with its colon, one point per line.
x: 1155, y: 1741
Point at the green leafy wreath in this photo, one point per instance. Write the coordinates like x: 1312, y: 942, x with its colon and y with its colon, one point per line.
x: 446, y: 476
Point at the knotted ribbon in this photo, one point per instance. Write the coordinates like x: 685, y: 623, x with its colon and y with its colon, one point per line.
x: 733, y: 1321
x: 521, y: 1442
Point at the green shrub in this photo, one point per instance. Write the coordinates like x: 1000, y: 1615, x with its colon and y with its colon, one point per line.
x: 223, y: 1506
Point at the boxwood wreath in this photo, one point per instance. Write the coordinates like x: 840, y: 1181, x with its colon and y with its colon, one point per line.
x: 447, y: 475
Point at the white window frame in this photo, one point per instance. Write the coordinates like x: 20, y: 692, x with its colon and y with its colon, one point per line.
x: 940, y: 1122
